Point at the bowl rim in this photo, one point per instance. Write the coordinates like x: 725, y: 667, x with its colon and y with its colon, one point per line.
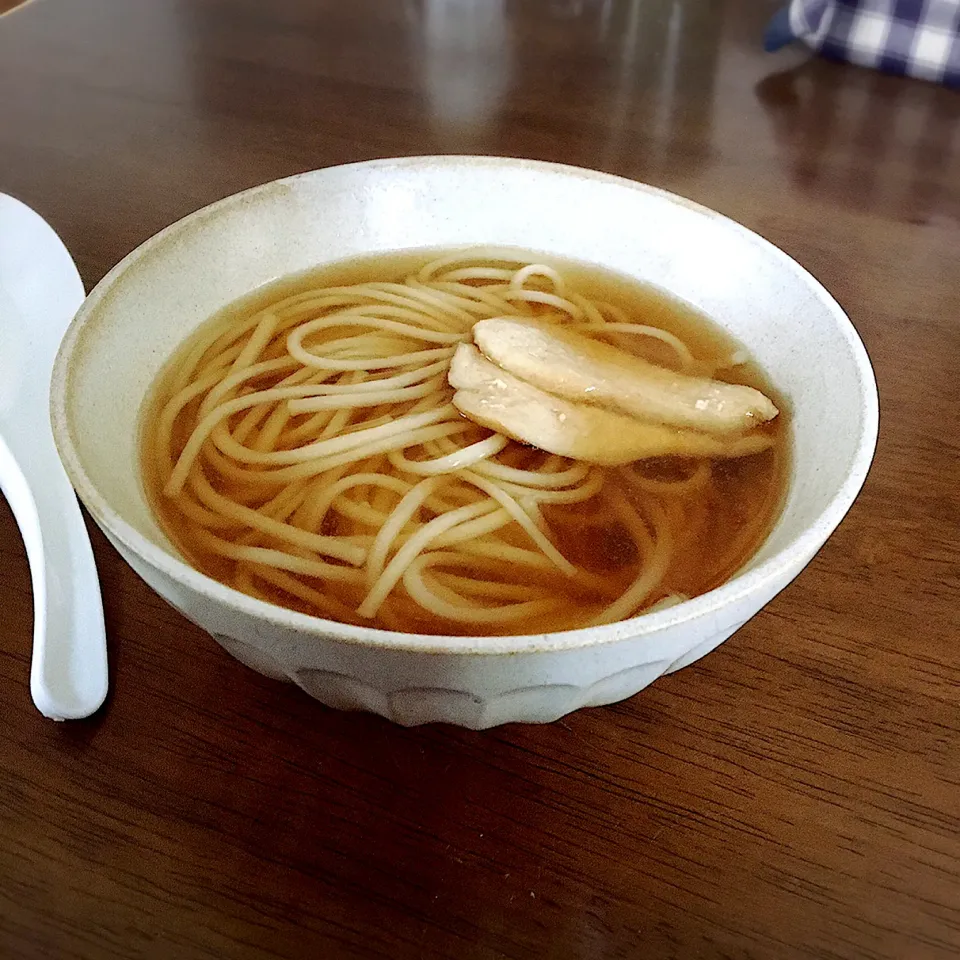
x: 789, y: 560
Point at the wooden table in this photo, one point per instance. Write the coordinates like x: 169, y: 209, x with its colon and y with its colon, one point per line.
x: 796, y: 794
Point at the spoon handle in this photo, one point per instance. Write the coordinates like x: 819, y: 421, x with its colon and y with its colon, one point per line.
x: 68, y: 677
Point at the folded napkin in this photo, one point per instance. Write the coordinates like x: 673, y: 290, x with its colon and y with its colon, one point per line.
x: 916, y: 38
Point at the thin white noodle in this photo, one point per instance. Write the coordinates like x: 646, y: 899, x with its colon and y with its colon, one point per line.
x: 323, y: 448
x: 531, y: 478
x: 402, y: 513
x: 657, y: 550
x: 520, y: 278
x: 366, y: 398
x: 547, y: 299
x: 492, y: 520
x: 413, y: 580
x: 312, y: 468
x: 641, y: 330
x: 280, y: 559
x: 321, y: 503
x: 247, y: 357
x: 319, y: 601
x: 696, y: 481
x: 405, y: 555
x: 589, y: 488
x: 325, y: 546
x: 458, y: 460
x: 487, y: 589
x: 523, y: 519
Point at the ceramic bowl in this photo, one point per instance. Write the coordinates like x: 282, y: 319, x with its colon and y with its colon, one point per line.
x: 153, y: 299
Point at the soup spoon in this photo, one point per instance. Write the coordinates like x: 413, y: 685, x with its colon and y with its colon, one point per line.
x: 40, y: 291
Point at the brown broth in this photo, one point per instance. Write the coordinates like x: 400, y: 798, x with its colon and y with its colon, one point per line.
x: 717, y: 529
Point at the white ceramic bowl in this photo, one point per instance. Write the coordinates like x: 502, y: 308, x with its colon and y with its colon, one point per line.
x: 156, y: 296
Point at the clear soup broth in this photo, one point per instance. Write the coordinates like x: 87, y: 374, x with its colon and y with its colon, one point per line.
x: 301, y: 447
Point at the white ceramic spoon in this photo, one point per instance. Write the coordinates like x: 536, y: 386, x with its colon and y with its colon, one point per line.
x: 40, y: 291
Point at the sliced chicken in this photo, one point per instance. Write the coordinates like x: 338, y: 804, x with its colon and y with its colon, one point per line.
x: 571, y: 365
x: 496, y: 399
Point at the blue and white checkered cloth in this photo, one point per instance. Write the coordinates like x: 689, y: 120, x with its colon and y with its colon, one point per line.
x: 916, y: 38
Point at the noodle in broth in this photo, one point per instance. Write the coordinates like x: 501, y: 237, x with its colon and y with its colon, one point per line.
x: 302, y: 447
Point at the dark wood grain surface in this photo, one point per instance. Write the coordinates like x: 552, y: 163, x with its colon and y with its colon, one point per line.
x: 795, y: 794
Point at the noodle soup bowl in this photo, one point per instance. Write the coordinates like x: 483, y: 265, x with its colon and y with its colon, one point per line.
x: 155, y: 298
